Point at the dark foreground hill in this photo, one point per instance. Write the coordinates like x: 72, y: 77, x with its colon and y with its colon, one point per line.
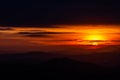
x: 52, y: 65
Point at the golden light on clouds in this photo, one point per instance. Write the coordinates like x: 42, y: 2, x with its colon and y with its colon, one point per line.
x: 94, y: 37
x: 81, y: 37
x: 98, y: 39
x: 95, y: 43
x: 68, y: 34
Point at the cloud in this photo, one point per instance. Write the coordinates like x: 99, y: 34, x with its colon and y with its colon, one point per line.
x: 115, y: 40
x: 6, y: 28
x: 34, y: 25
x: 62, y: 40
x: 36, y: 35
x: 41, y: 33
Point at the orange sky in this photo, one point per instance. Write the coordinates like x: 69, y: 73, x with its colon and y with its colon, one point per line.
x: 78, y: 33
x: 61, y: 35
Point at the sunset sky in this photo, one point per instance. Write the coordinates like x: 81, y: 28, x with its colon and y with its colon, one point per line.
x: 56, y: 26
x: 23, y: 39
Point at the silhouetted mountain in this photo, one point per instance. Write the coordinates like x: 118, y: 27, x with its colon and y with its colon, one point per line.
x: 109, y: 59
x: 26, y: 57
x: 69, y: 63
x: 52, y: 65
x: 71, y: 67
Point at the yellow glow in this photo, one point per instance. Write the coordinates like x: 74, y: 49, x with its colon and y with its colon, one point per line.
x: 77, y: 34
x: 95, y: 43
x: 95, y: 37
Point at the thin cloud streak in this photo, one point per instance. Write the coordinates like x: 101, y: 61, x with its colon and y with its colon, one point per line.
x: 6, y: 28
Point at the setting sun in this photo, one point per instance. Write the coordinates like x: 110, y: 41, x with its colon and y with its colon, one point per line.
x: 95, y: 37
x: 95, y: 43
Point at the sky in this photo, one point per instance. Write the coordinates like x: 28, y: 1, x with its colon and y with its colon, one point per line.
x: 35, y: 13
x: 59, y: 26
x: 60, y: 38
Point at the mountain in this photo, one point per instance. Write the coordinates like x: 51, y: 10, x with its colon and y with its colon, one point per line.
x: 108, y: 59
x: 52, y: 65
x: 26, y: 57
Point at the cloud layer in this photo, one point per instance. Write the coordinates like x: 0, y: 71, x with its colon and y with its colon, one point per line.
x: 41, y: 33
x: 6, y: 28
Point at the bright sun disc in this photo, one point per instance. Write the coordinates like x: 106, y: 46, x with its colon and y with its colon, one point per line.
x: 95, y: 43
x: 95, y: 37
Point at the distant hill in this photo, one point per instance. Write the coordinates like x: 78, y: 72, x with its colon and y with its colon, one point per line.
x: 26, y: 57
x: 52, y: 64
x: 105, y: 59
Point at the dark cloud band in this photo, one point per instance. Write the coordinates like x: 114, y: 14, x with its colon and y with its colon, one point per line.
x: 41, y: 34
x: 6, y: 28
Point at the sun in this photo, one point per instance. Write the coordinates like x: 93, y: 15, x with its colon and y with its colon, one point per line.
x: 95, y: 43
x: 94, y: 37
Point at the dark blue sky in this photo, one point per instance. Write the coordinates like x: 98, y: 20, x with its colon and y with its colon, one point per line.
x: 20, y: 12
